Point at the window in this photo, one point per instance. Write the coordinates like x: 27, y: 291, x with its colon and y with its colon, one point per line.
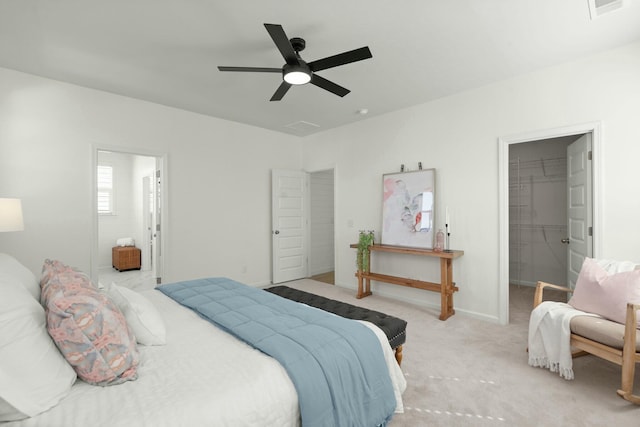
x: 105, y: 190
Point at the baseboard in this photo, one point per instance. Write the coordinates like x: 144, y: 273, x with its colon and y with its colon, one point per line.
x: 260, y: 284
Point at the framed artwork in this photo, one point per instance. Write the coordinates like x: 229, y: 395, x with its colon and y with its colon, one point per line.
x: 408, y: 206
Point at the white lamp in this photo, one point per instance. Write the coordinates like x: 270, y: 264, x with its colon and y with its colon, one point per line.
x: 11, y: 215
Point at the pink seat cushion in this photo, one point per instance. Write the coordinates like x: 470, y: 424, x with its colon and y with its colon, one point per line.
x: 605, y: 294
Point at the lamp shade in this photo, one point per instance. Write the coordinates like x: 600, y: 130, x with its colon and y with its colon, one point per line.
x: 297, y: 78
x: 11, y: 215
x: 296, y: 74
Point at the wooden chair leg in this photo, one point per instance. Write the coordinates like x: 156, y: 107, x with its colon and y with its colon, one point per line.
x: 628, y: 372
x: 629, y: 357
x: 399, y: 355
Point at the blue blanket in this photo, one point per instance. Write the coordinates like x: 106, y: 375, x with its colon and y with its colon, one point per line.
x: 336, y: 364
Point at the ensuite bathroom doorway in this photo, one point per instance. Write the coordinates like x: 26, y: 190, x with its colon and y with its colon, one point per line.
x: 128, y: 214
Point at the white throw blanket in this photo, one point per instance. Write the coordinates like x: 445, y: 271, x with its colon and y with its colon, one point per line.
x: 397, y: 377
x: 550, y: 337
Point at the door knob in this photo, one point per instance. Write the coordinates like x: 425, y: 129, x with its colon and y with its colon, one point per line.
x: 565, y: 240
x: 276, y: 232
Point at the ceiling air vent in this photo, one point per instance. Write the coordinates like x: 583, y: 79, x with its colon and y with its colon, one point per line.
x: 303, y: 127
x: 600, y: 7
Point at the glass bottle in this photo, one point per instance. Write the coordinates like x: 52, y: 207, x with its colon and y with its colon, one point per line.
x: 439, y: 241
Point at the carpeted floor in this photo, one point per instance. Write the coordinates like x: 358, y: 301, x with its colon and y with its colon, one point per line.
x: 467, y: 372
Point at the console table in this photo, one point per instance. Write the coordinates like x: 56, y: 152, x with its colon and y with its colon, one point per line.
x: 446, y: 287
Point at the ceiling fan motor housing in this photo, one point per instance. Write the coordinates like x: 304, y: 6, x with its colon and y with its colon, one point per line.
x: 298, y: 44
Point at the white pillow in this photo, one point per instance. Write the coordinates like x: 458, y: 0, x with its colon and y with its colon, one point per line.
x: 34, y: 376
x: 612, y: 266
x: 11, y: 269
x: 142, y: 316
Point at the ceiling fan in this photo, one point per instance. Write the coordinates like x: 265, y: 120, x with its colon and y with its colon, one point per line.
x: 298, y: 72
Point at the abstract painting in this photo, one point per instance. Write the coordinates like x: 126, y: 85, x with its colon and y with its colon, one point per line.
x: 408, y: 208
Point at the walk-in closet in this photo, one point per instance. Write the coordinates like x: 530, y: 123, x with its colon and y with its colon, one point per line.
x: 538, y: 211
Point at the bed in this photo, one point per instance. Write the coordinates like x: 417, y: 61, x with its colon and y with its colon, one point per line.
x: 197, y: 375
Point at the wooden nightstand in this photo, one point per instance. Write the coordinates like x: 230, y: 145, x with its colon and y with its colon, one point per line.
x: 125, y: 258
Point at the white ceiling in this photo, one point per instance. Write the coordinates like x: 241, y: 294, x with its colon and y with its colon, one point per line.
x: 167, y: 51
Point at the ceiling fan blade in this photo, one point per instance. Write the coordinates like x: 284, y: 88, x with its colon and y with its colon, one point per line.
x: 340, y: 59
x: 251, y: 69
x: 280, y: 92
x: 329, y: 85
x: 282, y: 43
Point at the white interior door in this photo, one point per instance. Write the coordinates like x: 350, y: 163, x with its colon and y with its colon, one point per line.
x: 146, y: 246
x: 156, y: 236
x: 579, y: 212
x: 289, y: 225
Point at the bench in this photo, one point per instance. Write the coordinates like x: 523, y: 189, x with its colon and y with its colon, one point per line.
x: 394, y: 328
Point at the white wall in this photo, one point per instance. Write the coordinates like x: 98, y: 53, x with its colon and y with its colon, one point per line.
x: 219, y: 171
x: 458, y: 136
x: 219, y: 177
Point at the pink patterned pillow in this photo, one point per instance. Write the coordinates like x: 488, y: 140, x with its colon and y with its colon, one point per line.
x: 605, y: 294
x: 88, y: 328
x: 56, y: 275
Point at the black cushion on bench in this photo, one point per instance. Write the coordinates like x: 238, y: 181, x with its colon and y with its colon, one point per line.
x: 394, y: 328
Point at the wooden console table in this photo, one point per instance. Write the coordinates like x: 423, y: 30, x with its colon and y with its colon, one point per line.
x: 446, y: 287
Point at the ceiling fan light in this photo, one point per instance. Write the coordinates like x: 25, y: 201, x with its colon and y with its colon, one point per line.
x: 296, y: 77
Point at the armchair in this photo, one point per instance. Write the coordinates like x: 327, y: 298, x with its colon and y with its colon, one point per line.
x: 609, y: 340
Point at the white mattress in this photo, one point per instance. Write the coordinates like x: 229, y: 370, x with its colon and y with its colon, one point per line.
x: 203, y: 376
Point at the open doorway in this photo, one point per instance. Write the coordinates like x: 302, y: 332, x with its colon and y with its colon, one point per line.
x: 128, y: 213
x: 302, y: 225
x: 321, y: 229
x: 539, y: 239
x: 538, y: 211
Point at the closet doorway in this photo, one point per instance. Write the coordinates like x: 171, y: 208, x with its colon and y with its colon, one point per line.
x: 128, y: 216
x: 538, y: 211
x: 549, y: 207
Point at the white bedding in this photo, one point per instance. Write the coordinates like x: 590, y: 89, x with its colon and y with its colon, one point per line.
x: 397, y: 377
x: 202, y: 376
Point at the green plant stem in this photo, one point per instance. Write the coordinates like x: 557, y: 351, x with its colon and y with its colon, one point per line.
x: 365, y: 240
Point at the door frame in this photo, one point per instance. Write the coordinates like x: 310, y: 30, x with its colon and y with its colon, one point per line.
x: 594, y: 128
x: 148, y: 186
x: 162, y: 165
